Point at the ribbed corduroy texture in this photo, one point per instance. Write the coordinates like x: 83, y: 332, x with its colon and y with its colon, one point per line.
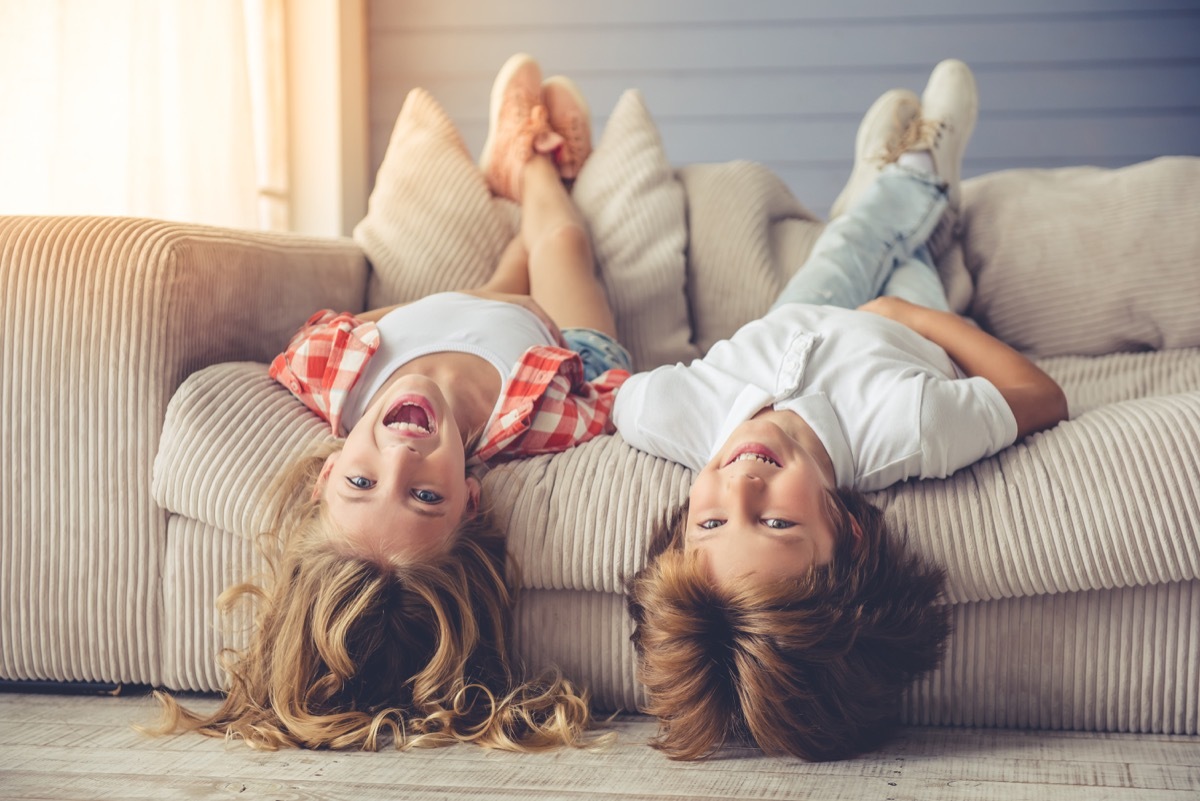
x: 586, y: 634
x: 102, y: 318
x: 201, y: 563
x: 1086, y: 260
x: 1113, y: 660
x: 231, y: 429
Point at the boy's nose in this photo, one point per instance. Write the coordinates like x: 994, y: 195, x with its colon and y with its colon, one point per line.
x: 745, y: 485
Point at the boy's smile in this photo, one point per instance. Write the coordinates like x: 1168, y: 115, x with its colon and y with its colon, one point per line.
x: 759, y: 506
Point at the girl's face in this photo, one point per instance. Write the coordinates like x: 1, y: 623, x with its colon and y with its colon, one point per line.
x: 758, y: 507
x: 398, y: 487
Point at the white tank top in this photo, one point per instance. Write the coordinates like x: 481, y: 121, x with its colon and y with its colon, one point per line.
x: 493, y: 330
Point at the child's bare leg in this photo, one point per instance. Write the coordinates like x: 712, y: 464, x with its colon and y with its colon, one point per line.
x: 512, y: 271
x: 562, y: 270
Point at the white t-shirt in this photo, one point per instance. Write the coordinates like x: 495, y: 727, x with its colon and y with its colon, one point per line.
x: 496, y: 331
x: 886, y: 403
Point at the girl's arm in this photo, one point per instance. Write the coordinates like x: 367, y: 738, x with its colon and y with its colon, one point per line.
x: 1035, y: 398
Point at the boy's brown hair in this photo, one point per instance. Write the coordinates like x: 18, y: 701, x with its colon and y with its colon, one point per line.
x: 813, y: 666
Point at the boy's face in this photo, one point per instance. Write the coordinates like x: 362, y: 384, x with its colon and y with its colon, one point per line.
x: 758, y: 507
x: 398, y: 487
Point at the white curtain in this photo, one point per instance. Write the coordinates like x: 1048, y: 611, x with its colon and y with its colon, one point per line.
x: 173, y: 109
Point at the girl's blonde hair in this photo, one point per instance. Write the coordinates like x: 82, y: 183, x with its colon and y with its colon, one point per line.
x: 346, y: 650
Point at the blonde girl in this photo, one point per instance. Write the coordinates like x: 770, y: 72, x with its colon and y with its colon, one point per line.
x: 386, y: 610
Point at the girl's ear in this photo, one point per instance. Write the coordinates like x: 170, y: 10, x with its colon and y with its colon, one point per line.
x: 323, y: 478
x: 474, y: 489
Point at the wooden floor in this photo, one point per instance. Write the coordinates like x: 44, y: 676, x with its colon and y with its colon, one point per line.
x: 79, y: 747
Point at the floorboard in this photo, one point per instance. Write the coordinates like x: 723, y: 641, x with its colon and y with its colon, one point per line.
x: 83, y: 748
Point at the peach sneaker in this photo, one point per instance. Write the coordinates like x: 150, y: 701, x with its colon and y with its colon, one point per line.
x: 570, y: 119
x: 519, y: 126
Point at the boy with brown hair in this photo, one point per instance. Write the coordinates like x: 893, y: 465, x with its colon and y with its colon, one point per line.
x: 776, y: 606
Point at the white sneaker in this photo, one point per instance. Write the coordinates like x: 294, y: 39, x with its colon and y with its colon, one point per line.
x: 949, y: 108
x: 877, y: 142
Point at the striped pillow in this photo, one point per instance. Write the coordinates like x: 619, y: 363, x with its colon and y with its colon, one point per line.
x: 431, y: 224
x: 1085, y: 260
x: 635, y: 206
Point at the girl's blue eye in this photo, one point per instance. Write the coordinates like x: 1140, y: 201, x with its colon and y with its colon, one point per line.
x: 777, y: 523
x: 360, y: 483
x: 711, y: 524
x: 426, y: 496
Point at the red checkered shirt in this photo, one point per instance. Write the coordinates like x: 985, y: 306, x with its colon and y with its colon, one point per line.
x: 547, y: 405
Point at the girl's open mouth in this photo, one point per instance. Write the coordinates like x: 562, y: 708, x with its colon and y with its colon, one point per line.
x: 411, y: 416
x: 753, y: 452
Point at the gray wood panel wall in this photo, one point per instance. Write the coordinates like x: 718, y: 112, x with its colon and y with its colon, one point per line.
x: 1062, y: 82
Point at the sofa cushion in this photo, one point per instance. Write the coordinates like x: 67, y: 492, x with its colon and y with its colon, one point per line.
x: 1086, y: 260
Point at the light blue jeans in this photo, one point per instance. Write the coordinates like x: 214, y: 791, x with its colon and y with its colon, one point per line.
x: 598, y: 351
x: 877, y: 247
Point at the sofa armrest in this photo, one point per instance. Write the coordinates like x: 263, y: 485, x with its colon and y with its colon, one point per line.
x: 101, y: 319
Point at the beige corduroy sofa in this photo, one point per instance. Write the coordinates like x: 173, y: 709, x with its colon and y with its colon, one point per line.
x: 140, y: 428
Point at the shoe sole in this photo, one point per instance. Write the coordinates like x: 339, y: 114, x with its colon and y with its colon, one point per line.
x: 503, y: 77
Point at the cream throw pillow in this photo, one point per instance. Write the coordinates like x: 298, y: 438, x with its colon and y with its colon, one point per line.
x: 432, y: 225
x: 634, y: 204
x: 1085, y: 260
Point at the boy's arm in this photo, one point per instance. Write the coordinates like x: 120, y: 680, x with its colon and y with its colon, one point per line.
x: 1036, y: 400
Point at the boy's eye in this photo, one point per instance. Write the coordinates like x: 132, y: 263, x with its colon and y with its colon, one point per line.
x: 775, y: 522
x: 711, y: 524
x: 360, y: 482
x: 426, y: 496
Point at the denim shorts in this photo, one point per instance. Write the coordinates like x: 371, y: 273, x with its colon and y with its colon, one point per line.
x: 599, y: 352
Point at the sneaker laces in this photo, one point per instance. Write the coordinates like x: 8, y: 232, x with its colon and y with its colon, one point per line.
x: 921, y: 134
